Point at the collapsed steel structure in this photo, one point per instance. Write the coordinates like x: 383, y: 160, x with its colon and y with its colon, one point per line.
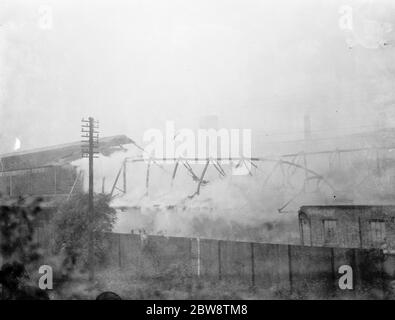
x: 287, y: 164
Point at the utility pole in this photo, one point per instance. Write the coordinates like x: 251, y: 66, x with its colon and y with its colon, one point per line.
x: 89, y: 149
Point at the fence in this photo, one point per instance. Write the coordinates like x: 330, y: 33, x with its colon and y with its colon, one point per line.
x: 293, y: 270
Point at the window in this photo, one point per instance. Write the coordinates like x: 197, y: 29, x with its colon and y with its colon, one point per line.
x: 305, y: 231
x: 376, y: 231
x: 330, y: 231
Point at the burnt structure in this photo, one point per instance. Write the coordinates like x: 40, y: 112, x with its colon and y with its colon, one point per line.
x: 348, y: 226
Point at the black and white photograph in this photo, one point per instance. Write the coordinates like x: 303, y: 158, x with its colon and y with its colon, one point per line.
x: 197, y: 155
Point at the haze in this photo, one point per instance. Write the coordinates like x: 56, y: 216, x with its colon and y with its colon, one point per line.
x: 135, y: 64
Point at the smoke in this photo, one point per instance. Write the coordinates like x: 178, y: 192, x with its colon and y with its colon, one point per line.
x: 257, y: 65
x: 233, y: 207
x: 256, y: 206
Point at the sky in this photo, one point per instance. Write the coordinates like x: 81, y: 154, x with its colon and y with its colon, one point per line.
x: 134, y: 65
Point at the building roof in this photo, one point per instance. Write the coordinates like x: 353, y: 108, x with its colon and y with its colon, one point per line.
x: 328, y: 210
x: 57, y: 155
x: 347, y: 206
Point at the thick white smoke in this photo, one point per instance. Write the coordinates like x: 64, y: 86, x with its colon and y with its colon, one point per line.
x: 241, y: 207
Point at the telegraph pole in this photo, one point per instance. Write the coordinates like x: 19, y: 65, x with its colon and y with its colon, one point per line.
x: 89, y: 149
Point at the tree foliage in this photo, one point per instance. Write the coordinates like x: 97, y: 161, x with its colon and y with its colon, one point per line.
x: 71, y: 227
x: 19, y: 250
x: 17, y: 219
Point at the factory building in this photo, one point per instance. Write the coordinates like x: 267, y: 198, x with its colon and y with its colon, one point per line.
x: 48, y: 172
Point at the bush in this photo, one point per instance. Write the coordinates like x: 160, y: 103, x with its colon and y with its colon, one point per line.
x: 17, y: 220
x: 71, y: 227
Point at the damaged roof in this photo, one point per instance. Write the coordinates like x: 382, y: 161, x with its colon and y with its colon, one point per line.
x: 57, y: 155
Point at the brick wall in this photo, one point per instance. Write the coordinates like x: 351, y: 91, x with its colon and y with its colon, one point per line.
x: 352, y: 225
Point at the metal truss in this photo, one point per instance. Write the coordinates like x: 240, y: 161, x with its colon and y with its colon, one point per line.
x: 287, y: 167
